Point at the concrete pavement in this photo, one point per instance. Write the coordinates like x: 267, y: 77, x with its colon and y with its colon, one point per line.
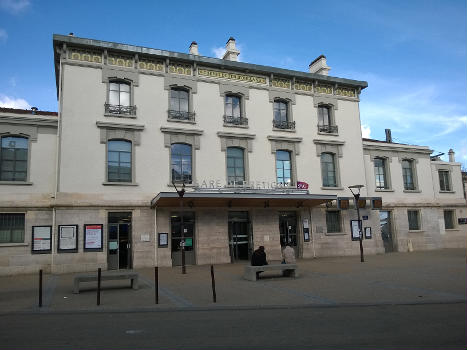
x: 432, y: 277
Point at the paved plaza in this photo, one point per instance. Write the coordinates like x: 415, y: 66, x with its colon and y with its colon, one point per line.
x: 398, y: 278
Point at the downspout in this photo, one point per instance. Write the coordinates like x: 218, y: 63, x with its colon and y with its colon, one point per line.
x: 311, y: 233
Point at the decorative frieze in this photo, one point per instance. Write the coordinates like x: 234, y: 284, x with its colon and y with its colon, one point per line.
x: 120, y: 60
x: 323, y: 89
x: 342, y: 91
x: 183, y: 69
x: 247, y: 78
x: 281, y: 83
x: 303, y: 86
x: 85, y: 55
x: 152, y: 65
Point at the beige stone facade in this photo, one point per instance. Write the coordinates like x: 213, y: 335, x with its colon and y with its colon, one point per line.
x: 69, y: 164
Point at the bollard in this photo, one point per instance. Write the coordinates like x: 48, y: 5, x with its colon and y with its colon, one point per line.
x: 156, y: 283
x: 98, y: 286
x: 213, y: 284
x: 40, y: 288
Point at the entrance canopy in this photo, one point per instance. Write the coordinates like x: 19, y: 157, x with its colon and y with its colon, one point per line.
x: 235, y: 199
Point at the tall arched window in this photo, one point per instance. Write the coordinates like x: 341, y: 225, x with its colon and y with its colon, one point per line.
x: 14, y: 158
x: 235, y: 166
x: 119, y: 161
x: 181, y: 162
x: 328, y: 170
x: 283, y: 168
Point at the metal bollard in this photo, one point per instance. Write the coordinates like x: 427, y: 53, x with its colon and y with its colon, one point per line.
x: 156, y: 283
x: 40, y: 288
x: 213, y: 284
x: 98, y: 286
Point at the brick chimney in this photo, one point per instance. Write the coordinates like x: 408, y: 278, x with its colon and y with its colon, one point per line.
x: 231, y: 52
x: 194, y: 48
x: 319, y: 66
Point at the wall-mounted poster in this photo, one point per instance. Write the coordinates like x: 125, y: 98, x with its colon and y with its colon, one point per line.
x: 367, y: 232
x: 67, y: 239
x: 93, y: 237
x: 306, y: 230
x: 163, y: 240
x: 355, y: 226
x: 41, y: 239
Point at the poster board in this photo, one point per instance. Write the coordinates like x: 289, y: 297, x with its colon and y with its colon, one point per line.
x: 355, y: 227
x: 67, y: 239
x: 163, y: 241
x: 367, y: 232
x: 93, y: 236
x: 41, y: 239
x: 306, y: 230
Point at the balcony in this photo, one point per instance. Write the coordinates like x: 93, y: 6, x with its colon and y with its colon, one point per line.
x: 328, y: 129
x: 231, y: 120
x: 119, y: 109
x: 181, y: 116
x: 283, y: 124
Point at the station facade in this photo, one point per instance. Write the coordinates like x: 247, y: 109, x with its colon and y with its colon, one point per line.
x: 265, y: 157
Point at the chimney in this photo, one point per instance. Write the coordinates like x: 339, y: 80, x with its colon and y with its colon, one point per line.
x: 194, y: 48
x: 71, y: 34
x: 33, y: 110
x: 452, y: 157
x: 388, y: 135
x: 319, y: 66
x: 231, y: 52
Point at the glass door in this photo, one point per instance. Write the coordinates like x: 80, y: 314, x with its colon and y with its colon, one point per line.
x: 187, y: 238
x: 119, y: 241
x: 386, y: 230
x: 239, y: 236
x: 288, y: 230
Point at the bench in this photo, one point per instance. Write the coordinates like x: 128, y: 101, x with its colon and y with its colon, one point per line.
x: 106, y: 276
x: 288, y: 270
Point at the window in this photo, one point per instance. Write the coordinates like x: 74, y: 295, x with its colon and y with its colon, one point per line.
x: 380, y: 173
x: 333, y: 221
x: 444, y: 180
x: 328, y: 170
x: 13, y: 158
x: 181, y: 162
x: 283, y: 168
x: 281, y: 115
x: 235, y: 166
x: 449, y: 219
x: 233, y: 111
x: 119, y: 98
x: 407, y: 175
x: 12, y: 228
x: 179, y: 104
x: 119, y: 161
x: 325, y: 123
x: 414, y: 219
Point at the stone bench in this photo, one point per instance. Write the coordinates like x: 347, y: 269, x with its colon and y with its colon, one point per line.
x: 106, y: 276
x: 288, y: 270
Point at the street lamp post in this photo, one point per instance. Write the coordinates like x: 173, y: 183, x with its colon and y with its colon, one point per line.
x: 356, y: 196
x: 181, y: 193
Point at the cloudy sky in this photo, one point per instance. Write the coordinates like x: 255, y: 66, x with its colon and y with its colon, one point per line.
x: 411, y: 53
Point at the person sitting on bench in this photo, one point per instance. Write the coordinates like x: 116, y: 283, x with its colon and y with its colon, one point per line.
x: 259, y: 259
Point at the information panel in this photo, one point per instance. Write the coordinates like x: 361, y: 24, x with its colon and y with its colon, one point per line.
x: 67, y: 239
x: 41, y: 239
x: 93, y: 237
x: 355, y: 227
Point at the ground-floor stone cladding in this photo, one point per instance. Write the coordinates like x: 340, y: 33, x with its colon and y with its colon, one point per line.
x: 340, y: 243
x: 212, y: 236
x: 16, y: 258
x: 432, y: 233
x: 265, y: 223
x: 163, y: 255
x: 143, y: 237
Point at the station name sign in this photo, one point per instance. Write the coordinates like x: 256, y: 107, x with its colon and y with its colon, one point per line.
x: 259, y: 185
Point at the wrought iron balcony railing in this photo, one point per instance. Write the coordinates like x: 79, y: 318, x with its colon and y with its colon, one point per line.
x: 228, y: 119
x: 330, y: 129
x: 181, y: 115
x: 119, y: 109
x: 283, y: 124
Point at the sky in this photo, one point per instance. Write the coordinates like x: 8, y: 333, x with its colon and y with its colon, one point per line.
x: 411, y: 53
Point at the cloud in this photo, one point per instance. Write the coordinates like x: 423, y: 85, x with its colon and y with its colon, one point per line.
x: 14, y: 6
x: 3, y: 35
x: 218, y: 52
x: 366, y: 131
x: 9, y: 102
